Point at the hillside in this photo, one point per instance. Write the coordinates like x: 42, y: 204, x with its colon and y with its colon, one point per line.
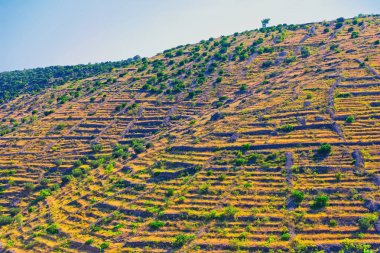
x: 265, y: 140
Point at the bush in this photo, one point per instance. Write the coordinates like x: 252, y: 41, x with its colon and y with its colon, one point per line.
x: 343, y: 95
x: 58, y: 162
x: 333, y: 223
x: 203, y: 188
x: 120, y: 151
x: 243, y: 87
x: 66, y: 179
x: 286, y: 128
x: 320, y: 202
x: 367, y: 221
x: 229, y: 212
x: 44, y: 181
x: 77, y: 172
x: 181, y: 199
x: 245, y: 146
x: 170, y: 192
x: 324, y: 149
x: 103, y: 246
x: 139, y: 148
x: 43, y: 194
x: 350, y: 119
x: 285, y: 237
x: 338, y: 176
x: 240, y: 161
x: 354, y: 35
x: 29, y: 186
x: 267, y: 64
x: 182, y: 239
x: 298, y: 196
x: 5, y: 220
x: 89, y: 241
x: 156, y: 224
x: 52, y: 229
x: 338, y: 25
x: 96, y: 148
x: 222, y: 177
x: 305, y: 52
x: 255, y: 157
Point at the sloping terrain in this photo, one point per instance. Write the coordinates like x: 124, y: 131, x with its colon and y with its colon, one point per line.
x: 263, y: 140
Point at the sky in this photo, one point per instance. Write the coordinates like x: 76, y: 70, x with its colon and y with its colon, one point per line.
x: 40, y: 33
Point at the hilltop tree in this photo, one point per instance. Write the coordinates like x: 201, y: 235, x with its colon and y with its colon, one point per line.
x: 265, y: 22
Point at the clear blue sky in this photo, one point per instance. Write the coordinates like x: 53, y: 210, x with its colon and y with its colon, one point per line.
x: 38, y: 33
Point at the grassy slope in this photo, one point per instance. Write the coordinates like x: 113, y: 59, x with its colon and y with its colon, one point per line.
x: 199, y: 181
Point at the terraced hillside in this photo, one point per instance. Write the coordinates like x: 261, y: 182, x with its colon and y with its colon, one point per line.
x: 265, y: 140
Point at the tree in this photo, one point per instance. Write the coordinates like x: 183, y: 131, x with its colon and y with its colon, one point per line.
x: 324, y: 149
x: 265, y: 22
x: 350, y: 119
x: 298, y: 196
x: 320, y: 201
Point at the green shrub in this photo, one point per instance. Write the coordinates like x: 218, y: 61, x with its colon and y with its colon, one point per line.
x: 96, y: 148
x: 324, y: 149
x: 222, y: 177
x: 182, y: 239
x: 343, y: 95
x: 5, y: 220
x: 305, y: 52
x: 43, y: 194
x: 77, y: 172
x: 156, y: 224
x: 120, y: 151
x: 320, y: 201
x: 139, y: 148
x: 228, y: 212
x: 203, y: 188
x: 285, y: 237
x: 267, y: 64
x: 89, y: 241
x: 44, y: 181
x: 240, y: 161
x: 170, y: 192
x: 103, y: 246
x: 243, y: 87
x: 367, y: 221
x: 298, y: 196
x: 245, y: 146
x: 350, y: 119
x: 286, y: 128
x: 338, y: 176
x: 354, y: 35
x: 181, y: 199
x: 52, y: 229
x: 333, y: 223
x: 255, y: 158
x: 66, y: 179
